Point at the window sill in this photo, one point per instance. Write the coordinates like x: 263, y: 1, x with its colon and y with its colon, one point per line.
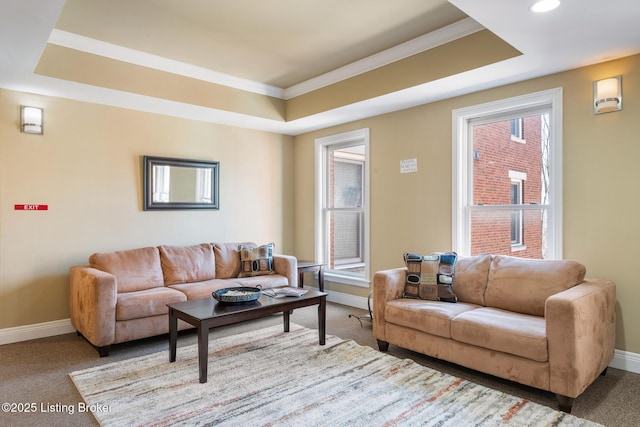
x: 518, y: 248
x: 346, y: 280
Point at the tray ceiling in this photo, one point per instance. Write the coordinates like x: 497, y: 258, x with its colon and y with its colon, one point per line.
x: 282, y: 54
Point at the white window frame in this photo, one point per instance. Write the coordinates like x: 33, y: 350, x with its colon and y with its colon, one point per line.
x: 360, y: 136
x: 518, y: 179
x: 462, y: 158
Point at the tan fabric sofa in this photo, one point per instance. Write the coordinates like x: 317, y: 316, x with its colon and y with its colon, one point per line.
x: 122, y: 296
x: 536, y: 322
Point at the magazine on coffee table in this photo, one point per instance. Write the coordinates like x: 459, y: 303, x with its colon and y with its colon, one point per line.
x: 288, y: 291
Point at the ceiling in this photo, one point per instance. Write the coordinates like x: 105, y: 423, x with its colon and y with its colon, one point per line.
x: 277, y: 42
x: 287, y: 48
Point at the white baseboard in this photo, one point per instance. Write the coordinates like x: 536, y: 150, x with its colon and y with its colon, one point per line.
x: 59, y: 327
x: 32, y: 332
x: 624, y: 360
x: 346, y: 299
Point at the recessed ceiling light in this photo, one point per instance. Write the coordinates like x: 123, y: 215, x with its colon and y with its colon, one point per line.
x: 544, y: 5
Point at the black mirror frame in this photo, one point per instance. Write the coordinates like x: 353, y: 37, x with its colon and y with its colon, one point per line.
x: 150, y: 161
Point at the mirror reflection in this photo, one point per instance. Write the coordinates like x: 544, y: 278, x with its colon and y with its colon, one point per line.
x: 180, y: 183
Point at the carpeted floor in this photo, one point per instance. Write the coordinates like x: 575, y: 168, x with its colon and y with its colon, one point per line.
x: 267, y: 377
x: 37, y: 372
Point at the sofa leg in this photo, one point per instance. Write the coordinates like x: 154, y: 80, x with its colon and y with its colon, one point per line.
x: 565, y: 403
x: 383, y: 345
x: 603, y: 373
x: 103, y: 351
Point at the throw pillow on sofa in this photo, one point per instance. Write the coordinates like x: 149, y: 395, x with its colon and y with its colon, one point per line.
x: 256, y: 260
x: 430, y: 276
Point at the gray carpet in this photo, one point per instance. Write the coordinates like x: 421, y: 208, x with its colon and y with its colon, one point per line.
x: 36, y: 372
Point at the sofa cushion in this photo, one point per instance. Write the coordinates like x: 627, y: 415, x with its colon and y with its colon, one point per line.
x: 470, y: 280
x: 185, y: 264
x: 199, y: 290
x: 135, y: 269
x: 256, y: 260
x: 433, y: 317
x: 523, y: 285
x: 228, y: 259
x: 500, y: 330
x: 146, y: 303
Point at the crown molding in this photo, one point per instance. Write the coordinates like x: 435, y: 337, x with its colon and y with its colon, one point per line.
x: 120, y: 53
x: 420, y: 44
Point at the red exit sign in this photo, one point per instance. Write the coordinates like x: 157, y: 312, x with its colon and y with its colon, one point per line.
x: 31, y: 207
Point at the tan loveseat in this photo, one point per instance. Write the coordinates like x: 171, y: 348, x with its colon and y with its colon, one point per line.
x: 536, y: 322
x: 122, y: 296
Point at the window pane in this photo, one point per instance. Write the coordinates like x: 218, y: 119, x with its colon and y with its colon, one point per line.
x: 346, y: 179
x: 493, y: 231
x: 516, y: 128
x: 516, y: 227
x: 496, y: 154
x: 516, y: 215
x: 515, y: 194
x: 346, y: 240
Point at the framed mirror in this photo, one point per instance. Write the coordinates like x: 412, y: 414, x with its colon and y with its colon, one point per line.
x: 180, y: 183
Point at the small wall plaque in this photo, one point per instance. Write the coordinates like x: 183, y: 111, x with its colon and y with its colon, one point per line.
x: 408, y: 165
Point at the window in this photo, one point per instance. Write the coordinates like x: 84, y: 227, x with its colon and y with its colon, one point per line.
x: 342, y: 208
x: 516, y: 214
x: 517, y: 131
x: 508, y: 197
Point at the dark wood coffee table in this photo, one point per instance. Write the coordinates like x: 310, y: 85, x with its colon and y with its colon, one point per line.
x: 208, y: 313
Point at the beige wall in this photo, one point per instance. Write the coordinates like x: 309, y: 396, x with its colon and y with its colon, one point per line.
x: 87, y: 167
x: 413, y: 211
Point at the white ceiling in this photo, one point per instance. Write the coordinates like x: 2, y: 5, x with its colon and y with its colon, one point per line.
x: 286, y: 47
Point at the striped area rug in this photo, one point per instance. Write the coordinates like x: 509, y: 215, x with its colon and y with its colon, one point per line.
x: 271, y: 378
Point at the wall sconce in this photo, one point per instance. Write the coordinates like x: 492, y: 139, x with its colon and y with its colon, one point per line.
x: 31, y: 120
x: 607, y: 95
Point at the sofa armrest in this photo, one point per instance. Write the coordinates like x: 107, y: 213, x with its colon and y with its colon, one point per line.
x: 581, y: 328
x: 92, y: 304
x: 286, y: 265
x: 387, y: 285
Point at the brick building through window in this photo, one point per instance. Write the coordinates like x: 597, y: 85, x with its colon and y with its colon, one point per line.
x: 510, y: 172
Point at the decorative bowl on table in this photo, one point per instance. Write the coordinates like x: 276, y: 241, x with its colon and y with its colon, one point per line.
x: 239, y: 295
